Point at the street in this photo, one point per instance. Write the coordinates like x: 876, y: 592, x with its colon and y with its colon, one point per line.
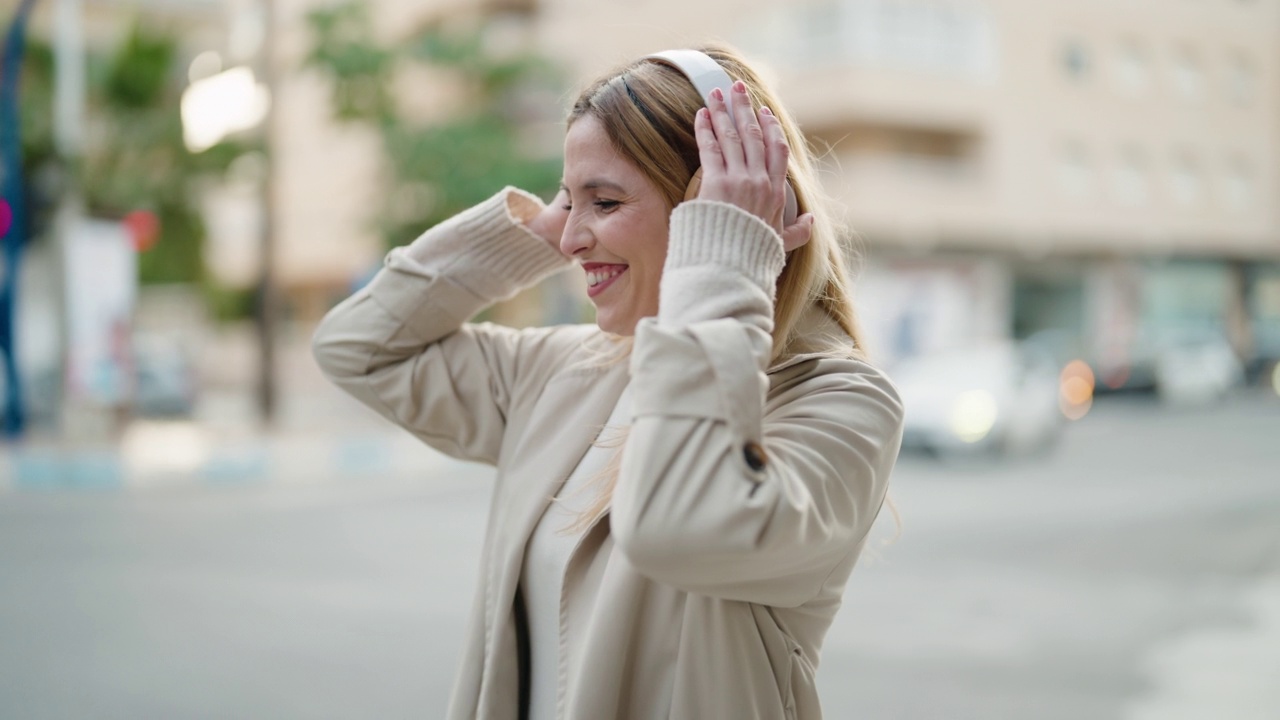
x: 1132, y: 574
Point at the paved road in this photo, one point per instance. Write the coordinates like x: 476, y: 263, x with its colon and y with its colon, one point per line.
x: 1134, y: 574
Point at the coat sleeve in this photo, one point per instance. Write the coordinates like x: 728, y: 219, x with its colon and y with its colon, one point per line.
x: 400, y: 344
x: 724, y: 491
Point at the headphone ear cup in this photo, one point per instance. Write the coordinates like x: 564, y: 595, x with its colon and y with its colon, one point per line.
x: 790, y: 210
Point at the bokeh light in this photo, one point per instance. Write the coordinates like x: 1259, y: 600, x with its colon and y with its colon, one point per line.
x: 1075, y: 391
x: 973, y: 415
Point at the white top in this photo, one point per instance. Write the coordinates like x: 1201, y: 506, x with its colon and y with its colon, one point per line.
x: 546, y: 559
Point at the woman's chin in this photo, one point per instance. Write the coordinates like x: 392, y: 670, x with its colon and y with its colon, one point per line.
x: 614, y: 323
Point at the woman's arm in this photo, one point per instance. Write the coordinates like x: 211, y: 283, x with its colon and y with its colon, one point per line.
x: 400, y: 345
x: 722, y: 492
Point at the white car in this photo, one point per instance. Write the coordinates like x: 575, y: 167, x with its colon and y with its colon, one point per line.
x: 1197, y: 369
x: 1001, y: 398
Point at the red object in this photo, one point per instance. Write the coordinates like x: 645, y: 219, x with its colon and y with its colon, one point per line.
x: 144, y: 228
x: 6, y: 218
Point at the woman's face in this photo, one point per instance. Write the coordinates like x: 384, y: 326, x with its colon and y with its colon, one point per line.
x: 616, y: 230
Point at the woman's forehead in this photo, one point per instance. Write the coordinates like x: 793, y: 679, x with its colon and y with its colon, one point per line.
x: 590, y: 159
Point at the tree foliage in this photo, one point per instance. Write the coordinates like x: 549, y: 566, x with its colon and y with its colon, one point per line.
x: 439, y: 168
x: 134, y: 157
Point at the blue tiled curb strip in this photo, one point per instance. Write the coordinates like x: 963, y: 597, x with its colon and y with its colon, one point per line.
x: 295, y: 460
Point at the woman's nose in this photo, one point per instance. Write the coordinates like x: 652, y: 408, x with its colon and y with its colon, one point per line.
x: 577, y: 238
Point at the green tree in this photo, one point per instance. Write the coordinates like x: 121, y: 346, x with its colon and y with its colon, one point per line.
x: 441, y: 168
x: 138, y: 159
x: 134, y: 157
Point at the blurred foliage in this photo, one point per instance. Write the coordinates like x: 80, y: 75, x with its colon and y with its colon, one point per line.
x: 40, y: 165
x: 133, y: 157
x: 442, y: 167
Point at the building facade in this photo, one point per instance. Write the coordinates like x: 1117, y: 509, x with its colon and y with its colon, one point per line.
x: 1108, y: 172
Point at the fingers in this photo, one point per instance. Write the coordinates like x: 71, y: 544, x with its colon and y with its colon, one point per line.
x: 727, y: 135
x: 798, y: 233
x: 778, y: 153
x: 748, y: 126
x: 709, y: 151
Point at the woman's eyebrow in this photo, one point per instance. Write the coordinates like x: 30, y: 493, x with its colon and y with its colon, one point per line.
x: 597, y: 184
x: 605, y: 184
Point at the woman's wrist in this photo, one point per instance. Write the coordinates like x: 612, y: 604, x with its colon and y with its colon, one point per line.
x: 721, y: 261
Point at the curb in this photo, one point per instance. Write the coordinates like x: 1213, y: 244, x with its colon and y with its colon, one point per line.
x: 173, y: 461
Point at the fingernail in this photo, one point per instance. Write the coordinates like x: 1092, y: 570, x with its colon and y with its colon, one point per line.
x: 765, y: 111
x: 740, y: 86
x: 715, y: 93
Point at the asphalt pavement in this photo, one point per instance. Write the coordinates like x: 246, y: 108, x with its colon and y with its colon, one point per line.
x: 1134, y: 573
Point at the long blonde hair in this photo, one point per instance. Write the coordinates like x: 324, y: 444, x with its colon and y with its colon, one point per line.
x: 647, y: 108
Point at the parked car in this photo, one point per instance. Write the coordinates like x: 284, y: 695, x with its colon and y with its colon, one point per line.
x: 1196, y: 368
x: 1001, y: 398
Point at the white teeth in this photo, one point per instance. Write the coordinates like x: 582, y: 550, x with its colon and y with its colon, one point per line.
x: 595, y: 277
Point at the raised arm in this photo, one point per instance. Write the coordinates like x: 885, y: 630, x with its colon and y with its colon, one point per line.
x: 729, y: 487
x: 400, y: 344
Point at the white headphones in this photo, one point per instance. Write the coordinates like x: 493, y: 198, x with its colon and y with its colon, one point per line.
x: 707, y: 75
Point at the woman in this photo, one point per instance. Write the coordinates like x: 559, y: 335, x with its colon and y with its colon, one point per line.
x: 688, y: 562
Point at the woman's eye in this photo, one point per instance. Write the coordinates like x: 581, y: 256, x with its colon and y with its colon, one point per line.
x: 607, y: 205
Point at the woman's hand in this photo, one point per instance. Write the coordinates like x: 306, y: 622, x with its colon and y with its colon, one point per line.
x: 746, y: 164
x: 545, y: 221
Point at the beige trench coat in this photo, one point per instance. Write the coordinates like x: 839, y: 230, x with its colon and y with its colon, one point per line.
x: 748, y: 560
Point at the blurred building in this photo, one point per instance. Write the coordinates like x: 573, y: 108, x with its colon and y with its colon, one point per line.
x: 1107, y: 173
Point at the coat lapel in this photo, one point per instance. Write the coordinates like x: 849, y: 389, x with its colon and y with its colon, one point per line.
x: 572, y: 409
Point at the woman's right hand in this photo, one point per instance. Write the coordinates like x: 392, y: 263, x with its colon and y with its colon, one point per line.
x: 548, y: 221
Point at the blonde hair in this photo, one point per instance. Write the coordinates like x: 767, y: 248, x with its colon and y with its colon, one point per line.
x: 647, y: 108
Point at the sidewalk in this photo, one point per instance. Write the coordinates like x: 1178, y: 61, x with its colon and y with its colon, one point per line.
x: 319, y: 435
x: 173, y: 454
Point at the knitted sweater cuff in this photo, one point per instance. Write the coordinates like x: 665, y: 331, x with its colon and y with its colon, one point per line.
x: 487, y: 248
x: 721, y: 261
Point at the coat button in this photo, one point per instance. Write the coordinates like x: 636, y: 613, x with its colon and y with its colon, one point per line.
x: 754, y: 455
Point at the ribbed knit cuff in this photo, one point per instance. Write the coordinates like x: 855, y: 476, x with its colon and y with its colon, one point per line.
x: 708, y: 232
x: 722, y: 262
x: 487, y: 249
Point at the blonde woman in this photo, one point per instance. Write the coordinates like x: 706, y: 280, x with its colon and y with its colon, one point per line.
x: 683, y: 488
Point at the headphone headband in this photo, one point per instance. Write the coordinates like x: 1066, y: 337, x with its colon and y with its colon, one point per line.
x: 705, y: 73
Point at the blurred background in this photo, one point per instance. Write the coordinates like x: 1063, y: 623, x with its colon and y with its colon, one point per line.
x: 1067, y: 221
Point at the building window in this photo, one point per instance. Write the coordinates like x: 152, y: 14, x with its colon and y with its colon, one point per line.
x: 1186, y: 180
x: 1131, y: 177
x: 1075, y: 59
x: 1242, y: 79
x: 1238, y: 184
x: 1132, y: 68
x: 1075, y: 171
x: 1188, y: 77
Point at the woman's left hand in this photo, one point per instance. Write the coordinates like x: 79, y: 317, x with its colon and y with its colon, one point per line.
x: 745, y: 163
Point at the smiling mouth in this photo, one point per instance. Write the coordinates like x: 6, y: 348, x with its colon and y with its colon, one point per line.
x: 601, y: 278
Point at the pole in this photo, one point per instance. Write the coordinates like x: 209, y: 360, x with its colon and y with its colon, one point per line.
x: 13, y: 421
x: 268, y: 300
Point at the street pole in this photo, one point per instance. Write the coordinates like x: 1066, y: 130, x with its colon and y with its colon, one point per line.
x: 70, y: 90
x: 268, y: 300
x: 13, y: 420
